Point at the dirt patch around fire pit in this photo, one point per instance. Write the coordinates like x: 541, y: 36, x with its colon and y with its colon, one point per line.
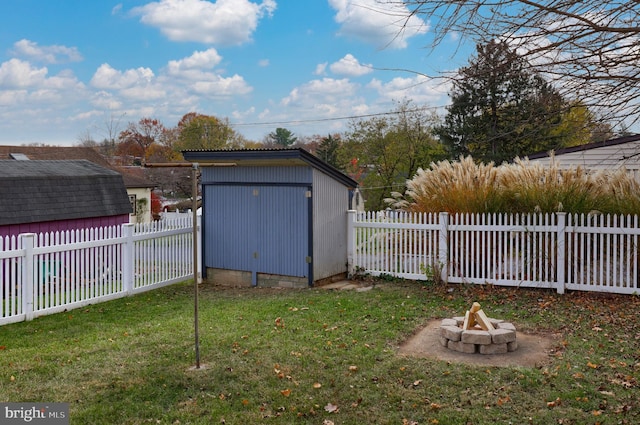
x: 533, y: 349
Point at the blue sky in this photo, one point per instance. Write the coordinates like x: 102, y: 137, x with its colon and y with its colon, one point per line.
x: 73, y: 68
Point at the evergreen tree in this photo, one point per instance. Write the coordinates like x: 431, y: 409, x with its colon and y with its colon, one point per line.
x: 500, y: 110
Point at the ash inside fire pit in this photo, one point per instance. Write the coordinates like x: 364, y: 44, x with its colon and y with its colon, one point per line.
x: 477, y: 333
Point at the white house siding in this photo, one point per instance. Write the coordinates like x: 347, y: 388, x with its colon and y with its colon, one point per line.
x: 144, y: 215
x: 607, y: 157
x: 330, y: 205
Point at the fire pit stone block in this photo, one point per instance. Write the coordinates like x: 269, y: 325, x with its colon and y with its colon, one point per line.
x: 449, y: 322
x: 502, y: 336
x: 506, y: 325
x: 476, y: 337
x: 493, y: 349
x: 461, y: 347
x: 452, y: 333
x: 500, y: 340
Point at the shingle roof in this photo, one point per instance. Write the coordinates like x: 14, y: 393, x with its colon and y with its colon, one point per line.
x: 73, y: 152
x: 39, y: 191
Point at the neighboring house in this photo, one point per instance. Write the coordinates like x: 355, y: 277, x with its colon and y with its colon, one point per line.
x: 272, y: 217
x: 610, y: 154
x: 43, y: 196
x: 138, y: 187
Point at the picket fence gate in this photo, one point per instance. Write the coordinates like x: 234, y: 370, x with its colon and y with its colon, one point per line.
x: 52, y: 272
x: 586, y: 252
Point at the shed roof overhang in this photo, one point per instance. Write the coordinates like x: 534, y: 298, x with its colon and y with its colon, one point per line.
x: 267, y: 158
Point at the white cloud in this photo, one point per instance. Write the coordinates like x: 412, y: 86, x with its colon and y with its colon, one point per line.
x: 420, y: 89
x: 105, y: 100
x: 196, y: 75
x: 225, y: 22
x: 16, y: 73
x: 207, y: 59
x: 107, y: 77
x: 241, y: 115
x: 46, y: 54
x: 218, y: 86
x: 321, y: 69
x: 350, y: 66
x: 388, y: 26
x: 318, y: 91
x: 263, y: 63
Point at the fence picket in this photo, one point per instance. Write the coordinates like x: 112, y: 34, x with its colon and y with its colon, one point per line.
x: 56, y: 271
x: 561, y: 251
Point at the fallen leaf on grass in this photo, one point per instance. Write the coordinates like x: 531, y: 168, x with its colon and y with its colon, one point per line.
x: 286, y: 392
x: 503, y: 400
x: 353, y: 368
x: 331, y: 408
x: 593, y: 365
x: 317, y: 385
x: 555, y: 403
x: 327, y: 422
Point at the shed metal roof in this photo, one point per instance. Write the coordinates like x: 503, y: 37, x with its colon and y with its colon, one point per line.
x: 40, y: 191
x: 268, y: 157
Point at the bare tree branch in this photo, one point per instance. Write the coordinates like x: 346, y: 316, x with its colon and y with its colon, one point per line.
x: 589, y: 50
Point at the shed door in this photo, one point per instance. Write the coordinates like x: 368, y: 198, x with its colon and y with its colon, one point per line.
x: 261, y: 229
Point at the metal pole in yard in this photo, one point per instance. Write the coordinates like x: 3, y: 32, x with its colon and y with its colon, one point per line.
x: 194, y: 194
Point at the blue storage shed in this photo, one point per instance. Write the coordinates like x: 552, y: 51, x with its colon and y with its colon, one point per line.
x: 272, y: 217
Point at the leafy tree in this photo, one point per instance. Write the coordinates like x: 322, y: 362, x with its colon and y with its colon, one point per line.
x: 198, y: 131
x: 328, y: 149
x: 388, y: 151
x: 282, y: 137
x: 144, y: 133
x: 588, y: 49
x: 500, y: 110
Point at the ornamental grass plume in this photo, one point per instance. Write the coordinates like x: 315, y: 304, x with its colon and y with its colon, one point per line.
x: 461, y: 186
x: 532, y: 186
x: 521, y: 187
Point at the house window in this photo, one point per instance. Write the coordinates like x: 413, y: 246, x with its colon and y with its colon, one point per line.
x: 132, y: 200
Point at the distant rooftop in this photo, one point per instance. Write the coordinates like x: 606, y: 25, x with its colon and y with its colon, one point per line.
x: 40, y: 191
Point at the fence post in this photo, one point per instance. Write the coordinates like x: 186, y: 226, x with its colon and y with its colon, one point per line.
x: 560, y: 256
x: 27, y: 241
x: 351, y: 218
x: 127, y: 258
x: 443, y: 246
x: 199, y: 242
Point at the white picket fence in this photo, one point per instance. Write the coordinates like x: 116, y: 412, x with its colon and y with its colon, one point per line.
x: 560, y: 251
x: 48, y: 273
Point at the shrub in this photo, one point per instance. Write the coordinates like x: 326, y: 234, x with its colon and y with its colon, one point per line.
x: 465, y: 186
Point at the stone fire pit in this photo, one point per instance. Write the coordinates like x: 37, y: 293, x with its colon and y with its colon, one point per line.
x: 477, y: 333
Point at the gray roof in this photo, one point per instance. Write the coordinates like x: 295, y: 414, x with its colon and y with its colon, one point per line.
x: 41, y: 191
x: 268, y: 157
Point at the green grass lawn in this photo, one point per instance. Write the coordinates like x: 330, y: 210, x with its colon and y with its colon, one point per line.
x: 315, y: 356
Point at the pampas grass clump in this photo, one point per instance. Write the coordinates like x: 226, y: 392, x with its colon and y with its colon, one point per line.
x: 465, y: 186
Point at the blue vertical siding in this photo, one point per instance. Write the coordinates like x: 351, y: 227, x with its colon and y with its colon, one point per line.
x: 260, y: 219
x: 261, y: 229
x: 249, y: 175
